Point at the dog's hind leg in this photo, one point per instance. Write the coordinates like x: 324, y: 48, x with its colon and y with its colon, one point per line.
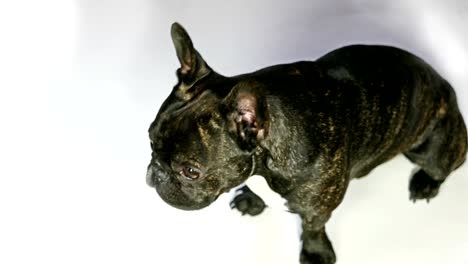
x: 443, y: 151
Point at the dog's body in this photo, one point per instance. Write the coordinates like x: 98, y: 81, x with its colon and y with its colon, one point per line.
x: 307, y: 127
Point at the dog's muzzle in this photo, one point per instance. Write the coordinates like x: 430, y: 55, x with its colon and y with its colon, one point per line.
x: 154, y: 175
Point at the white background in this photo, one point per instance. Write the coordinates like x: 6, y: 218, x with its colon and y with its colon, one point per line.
x: 80, y: 82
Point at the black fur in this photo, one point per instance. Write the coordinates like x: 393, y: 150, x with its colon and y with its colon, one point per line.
x: 308, y: 127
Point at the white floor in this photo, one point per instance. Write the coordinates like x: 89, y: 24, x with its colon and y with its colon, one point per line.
x: 82, y: 80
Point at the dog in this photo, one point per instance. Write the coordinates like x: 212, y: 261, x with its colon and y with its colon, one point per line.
x: 307, y: 127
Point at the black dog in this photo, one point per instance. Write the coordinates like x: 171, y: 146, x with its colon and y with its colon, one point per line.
x: 308, y: 127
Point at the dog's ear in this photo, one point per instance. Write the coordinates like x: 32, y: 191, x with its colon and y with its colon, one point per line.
x: 247, y: 115
x: 192, y: 66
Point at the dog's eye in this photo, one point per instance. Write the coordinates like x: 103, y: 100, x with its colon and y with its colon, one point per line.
x: 190, y: 172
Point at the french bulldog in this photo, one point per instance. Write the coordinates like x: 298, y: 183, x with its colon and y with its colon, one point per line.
x: 307, y: 127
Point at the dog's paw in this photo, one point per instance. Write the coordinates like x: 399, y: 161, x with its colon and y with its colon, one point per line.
x: 317, y: 258
x: 247, y: 202
x: 422, y: 186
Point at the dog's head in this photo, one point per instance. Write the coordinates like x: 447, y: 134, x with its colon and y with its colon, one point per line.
x: 205, y: 132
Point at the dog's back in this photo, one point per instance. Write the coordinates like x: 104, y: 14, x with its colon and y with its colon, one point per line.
x: 401, y: 101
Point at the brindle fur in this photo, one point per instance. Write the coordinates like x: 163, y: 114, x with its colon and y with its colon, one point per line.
x: 308, y: 127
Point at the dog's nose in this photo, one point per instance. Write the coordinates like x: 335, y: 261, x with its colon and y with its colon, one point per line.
x: 150, y: 176
x: 155, y: 174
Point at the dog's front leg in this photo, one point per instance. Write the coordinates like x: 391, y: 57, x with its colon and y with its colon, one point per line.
x: 316, y: 247
x: 314, y: 199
